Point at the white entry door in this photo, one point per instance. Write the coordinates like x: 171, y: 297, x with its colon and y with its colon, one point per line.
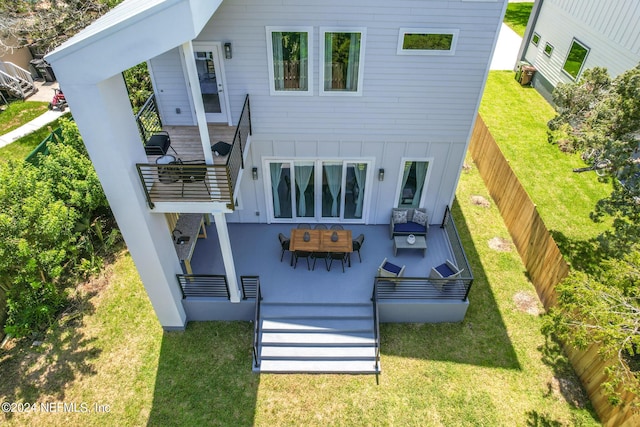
x: 212, y: 81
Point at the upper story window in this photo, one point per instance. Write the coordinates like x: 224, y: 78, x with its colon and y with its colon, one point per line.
x: 290, y: 60
x: 548, y: 49
x: 421, y: 41
x: 575, y: 59
x: 535, y: 39
x: 342, y: 53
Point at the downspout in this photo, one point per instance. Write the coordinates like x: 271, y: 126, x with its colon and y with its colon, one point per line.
x: 528, y: 32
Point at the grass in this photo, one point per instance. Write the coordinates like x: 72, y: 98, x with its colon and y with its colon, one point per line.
x: 495, y: 368
x: 517, y: 16
x: 18, y: 113
x: 20, y: 149
x: 517, y: 117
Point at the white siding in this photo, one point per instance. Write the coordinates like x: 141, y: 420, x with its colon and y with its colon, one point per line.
x: 609, y: 28
x: 410, y: 105
x: 171, y: 90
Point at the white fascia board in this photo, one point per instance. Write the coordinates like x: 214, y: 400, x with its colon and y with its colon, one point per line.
x: 131, y: 33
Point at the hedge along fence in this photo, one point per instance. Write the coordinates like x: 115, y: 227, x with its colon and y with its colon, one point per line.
x: 544, y: 263
x: 43, y: 147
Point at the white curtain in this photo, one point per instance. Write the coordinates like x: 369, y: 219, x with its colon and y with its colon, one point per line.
x: 354, y: 62
x: 421, y: 174
x: 360, y: 173
x: 405, y: 178
x: 278, y: 61
x: 334, y: 182
x: 276, y: 171
x: 303, y: 174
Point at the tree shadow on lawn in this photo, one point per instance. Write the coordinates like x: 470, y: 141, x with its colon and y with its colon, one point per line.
x: 481, y: 339
x: 204, y: 376
x: 33, y: 369
x: 582, y: 255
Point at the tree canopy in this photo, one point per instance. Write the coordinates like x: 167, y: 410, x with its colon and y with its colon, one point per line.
x: 44, y: 24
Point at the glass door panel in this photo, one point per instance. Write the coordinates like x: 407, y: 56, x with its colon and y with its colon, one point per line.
x: 413, y: 179
x: 331, y: 189
x: 354, y: 190
x: 305, y: 189
x: 280, y: 174
x: 211, y: 84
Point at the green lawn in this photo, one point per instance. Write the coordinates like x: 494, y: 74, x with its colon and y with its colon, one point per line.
x: 517, y: 16
x: 18, y: 113
x: 517, y: 117
x: 493, y: 369
x: 20, y: 149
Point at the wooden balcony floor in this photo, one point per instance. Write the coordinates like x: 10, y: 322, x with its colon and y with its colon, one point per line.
x: 257, y: 252
x: 185, y: 140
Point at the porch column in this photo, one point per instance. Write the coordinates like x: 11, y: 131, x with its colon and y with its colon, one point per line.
x: 107, y: 124
x: 198, y: 104
x: 227, y: 256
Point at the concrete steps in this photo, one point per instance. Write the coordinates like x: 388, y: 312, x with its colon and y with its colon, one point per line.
x: 317, y: 338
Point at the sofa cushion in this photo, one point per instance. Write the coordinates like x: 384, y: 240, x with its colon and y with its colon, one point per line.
x: 420, y: 217
x: 399, y: 216
x: 409, y: 227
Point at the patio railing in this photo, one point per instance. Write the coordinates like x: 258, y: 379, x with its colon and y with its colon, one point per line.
x: 216, y: 286
x: 376, y: 329
x: 425, y: 287
x: 148, y: 119
x: 256, y: 328
x: 199, y: 182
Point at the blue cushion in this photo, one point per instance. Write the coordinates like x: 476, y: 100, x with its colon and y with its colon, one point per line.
x: 221, y: 148
x: 391, y: 268
x: 445, y: 270
x: 409, y: 227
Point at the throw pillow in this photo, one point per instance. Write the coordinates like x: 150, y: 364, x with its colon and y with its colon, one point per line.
x: 420, y: 217
x: 399, y: 217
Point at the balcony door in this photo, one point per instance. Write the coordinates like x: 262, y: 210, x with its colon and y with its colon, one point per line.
x: 212, y: 81
x: 318, y: 190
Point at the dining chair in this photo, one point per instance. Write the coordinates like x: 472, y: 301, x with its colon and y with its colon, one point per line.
x: 320, y: 227
x: 320, y: 255
x: 357, y: 244
x: 304, y: 226
x: 337, y: 227
x: 337, y: 256
x: 284, y: 244
x: 301, y: 254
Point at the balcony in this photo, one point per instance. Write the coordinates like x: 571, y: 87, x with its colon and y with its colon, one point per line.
x: 189, y: 179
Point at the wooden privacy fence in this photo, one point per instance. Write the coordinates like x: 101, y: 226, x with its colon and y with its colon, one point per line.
x: 544, y: 263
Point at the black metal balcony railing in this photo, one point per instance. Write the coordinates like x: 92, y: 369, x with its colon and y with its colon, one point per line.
x: 427, y: 288
x: 202, y: 285
x: 195, y: 181
x: 148, y: 119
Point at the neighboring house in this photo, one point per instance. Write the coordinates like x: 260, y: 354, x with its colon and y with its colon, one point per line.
x: 338, y: 111
x: 565, y: 37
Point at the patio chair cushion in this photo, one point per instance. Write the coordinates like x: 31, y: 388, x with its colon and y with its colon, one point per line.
x: 420, y: 218
x: 409, y: 228
x: 445, y: 270
x: 399, y: 216
x: 221, y: 148
x: 392, y: 268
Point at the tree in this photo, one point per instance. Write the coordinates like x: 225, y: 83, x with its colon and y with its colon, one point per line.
x: 45, y: 24
x: 601, y: 115
x: 604, y: 310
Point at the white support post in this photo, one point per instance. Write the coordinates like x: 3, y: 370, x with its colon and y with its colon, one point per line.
x: 198, y: 104
x: 227, y: 256
x: 107, y: 124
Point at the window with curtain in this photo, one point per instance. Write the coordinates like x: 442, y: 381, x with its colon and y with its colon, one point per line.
x: 342, y: 55
x: 413, y: 178
x: 289, y: 60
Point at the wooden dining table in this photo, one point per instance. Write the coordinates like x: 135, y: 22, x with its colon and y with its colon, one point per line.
x: 320, y: 241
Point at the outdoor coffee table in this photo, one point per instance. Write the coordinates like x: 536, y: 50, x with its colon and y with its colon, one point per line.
x: 400, y: 242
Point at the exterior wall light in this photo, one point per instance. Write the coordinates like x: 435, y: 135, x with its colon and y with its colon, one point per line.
x: 227, y: 50
x: 254, y: 173
x: 380, y: 174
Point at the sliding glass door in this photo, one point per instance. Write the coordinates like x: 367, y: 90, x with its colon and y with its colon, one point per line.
x: 320, y: 190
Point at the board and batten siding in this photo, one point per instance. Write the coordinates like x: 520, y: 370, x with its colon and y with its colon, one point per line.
x: 170, y: 87
x: 411, y: 105
x: 608, y: 28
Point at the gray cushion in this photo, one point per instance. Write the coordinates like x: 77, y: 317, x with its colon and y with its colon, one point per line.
x: 420, y: 218
x: 399, y: 217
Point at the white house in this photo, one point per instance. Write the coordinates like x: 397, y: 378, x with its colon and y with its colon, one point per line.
x: 337, y: 111
x: 565, y: 37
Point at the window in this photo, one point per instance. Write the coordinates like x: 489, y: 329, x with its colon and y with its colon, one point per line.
x: 420, y: 41
x: 342, y: 53
x: 575, y: 59
x: 290, y: 60
x: 548, y: 49
x: 535, y: 39
x: 413, y: 179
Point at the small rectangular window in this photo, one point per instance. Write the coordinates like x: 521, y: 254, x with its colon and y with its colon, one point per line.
x: 548, y: 49
x: 290, y: 60
x: 422, y: 41
x: 342, y: 53
x: 535, y: 39
x: 575, y: 59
